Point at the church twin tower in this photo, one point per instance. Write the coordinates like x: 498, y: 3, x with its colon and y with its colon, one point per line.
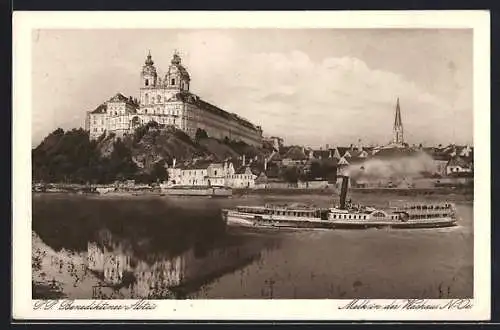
x: 154, y: 90
x: 176, y: 77
x: 169, y: 101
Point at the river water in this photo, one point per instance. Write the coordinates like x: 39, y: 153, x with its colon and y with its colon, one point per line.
x: 166, y: 247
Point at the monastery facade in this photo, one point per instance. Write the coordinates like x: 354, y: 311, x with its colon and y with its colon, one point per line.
x: 168, y: 101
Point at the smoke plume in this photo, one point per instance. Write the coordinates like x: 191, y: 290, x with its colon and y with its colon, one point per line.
x: 403, y: 167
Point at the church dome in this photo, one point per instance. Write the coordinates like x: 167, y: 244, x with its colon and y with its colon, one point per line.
x: 149, y: 68
x: 176, y: 69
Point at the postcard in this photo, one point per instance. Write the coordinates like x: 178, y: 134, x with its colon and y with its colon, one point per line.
x: 244, y: 166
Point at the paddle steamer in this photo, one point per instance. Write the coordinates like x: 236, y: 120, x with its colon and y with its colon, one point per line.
x: 345, y: 215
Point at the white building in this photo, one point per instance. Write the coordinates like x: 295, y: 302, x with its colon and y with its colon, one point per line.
x: 211, y: 174
x: 243, y: 178
x: 169, y: 102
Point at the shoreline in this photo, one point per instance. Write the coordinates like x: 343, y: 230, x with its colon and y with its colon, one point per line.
x: 402, y: 191
x: 467, y: 194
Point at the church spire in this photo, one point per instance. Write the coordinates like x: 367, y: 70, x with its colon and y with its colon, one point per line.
x: 398, y: 126
x: 397, y: 119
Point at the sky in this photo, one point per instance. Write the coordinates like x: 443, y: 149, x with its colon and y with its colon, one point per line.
x: 310, y: 86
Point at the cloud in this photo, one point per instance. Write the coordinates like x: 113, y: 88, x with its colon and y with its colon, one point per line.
x: 334, y: 99
x: 306, y: 100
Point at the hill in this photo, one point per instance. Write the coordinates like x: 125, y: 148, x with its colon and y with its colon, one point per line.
x: 153, y: 145
x: 72, y: 157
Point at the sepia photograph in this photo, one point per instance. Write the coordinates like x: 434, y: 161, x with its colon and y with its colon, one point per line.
x: 273, y: 164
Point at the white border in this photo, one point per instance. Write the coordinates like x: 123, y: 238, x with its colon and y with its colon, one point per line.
x: 25, y: 22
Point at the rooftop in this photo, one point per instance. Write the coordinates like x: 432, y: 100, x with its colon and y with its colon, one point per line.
x: 100, y: 109
x: 194, y: 99
x: 296, y: 153
x: 459, y: 161
x: 394, y: 152
x: 119, y: 97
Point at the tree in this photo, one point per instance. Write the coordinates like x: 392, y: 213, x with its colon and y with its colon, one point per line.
x: 159, y: 172
x: 200, y: 134
x: 64, y: 156
x: 329, y: 171
x: 58, y: 132
x: 152, y: 124
x: 72, y: 157
x: 291, y: 174
x: 119, y: 165
x: 139, y: 133
x: 183, y: 136
x: 142, y: 177
x: 316, y: 171
x: 302, y: 176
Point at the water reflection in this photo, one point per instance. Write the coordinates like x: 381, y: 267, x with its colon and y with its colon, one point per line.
x: 87, y: 248
x: 152, y: 248
x: 163, y: 275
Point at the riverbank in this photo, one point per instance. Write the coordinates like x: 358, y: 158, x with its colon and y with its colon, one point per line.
x: 296, y: 194
x: 154, y: 190
x: 467, y: 194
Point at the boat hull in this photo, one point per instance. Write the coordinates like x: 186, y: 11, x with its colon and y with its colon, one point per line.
x: 234, y: 218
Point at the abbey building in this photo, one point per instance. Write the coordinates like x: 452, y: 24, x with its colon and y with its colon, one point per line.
x: 168, y: 101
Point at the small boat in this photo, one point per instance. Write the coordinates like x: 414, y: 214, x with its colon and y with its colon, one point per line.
x: 346, y: 215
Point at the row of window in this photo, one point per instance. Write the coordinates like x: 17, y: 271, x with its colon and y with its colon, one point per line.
x: 164, y: 112
x: 427, y: 216
x: 112, y: 120
x: 428, y: 207
x: 152, y: 99
x: 223, y: 125
x: 239, y: 176
x: 202, y: 172
x: 192, y: 173
x: 350, y: 216
x: 456, y: 169
x: 116, y: 113
x: 119, y: 119
x: 294, y: 213
x: 147, y: 99
x: 146, y: 82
